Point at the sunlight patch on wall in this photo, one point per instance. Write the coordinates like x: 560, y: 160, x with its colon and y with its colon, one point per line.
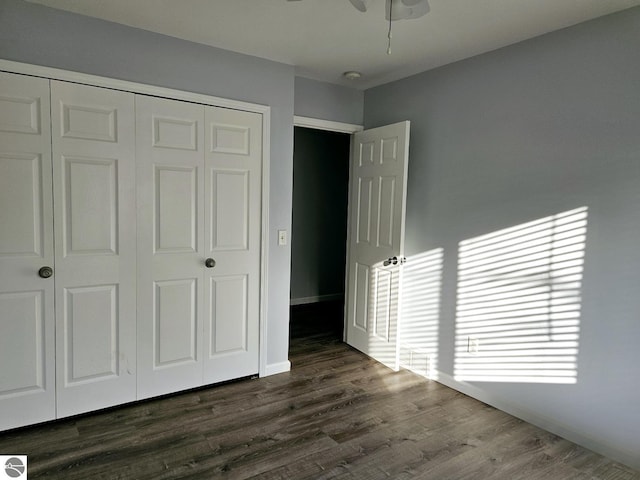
x: 518, y: 302
x: 420, y: 312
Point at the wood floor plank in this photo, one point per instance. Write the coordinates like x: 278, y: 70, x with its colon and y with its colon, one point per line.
x: 337, y: 415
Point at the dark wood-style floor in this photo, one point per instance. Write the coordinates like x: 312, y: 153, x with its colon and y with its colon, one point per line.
x: 337, y: 414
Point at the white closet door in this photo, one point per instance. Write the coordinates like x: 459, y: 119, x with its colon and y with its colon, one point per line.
x: 233, y: 221
x: 94, y: 194
x: 170, y: 158
x: 27, y: 353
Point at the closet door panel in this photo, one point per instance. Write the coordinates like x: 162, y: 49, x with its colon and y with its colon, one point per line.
x: 91, y: 312
x: 175, y: 323
x: 170, y: 158
x: 233, y: 222
x: 93, y: 141
x: 176, y: 195
x: 90, y: 189
x: 27, y: 349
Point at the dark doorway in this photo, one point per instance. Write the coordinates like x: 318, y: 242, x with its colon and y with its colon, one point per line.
x: 319, y: 230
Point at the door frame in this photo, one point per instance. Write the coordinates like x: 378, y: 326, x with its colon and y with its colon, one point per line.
x: 328, y: 125
x: 151, y: 90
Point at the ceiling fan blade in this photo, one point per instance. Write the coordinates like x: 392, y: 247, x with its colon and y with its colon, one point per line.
x: 361, y: 5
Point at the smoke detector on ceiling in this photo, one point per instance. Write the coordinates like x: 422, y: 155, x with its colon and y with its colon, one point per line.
x: 352, y: 75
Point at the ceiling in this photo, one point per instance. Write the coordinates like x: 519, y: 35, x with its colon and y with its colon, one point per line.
x: 324, y: 38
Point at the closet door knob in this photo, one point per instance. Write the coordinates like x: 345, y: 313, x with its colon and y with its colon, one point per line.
x: 45, y: 272
x: 210, y: 263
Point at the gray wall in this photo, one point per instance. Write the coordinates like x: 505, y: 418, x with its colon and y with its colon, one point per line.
x: 326, y: 101
x: 518, y: 134
x: 39, y: 35
x: 319, y: 229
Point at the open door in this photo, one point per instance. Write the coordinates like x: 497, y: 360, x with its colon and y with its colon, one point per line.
x: 377, y: 200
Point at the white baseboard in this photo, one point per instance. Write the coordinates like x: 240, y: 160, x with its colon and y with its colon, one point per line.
x: 565, y: 431
x: 275, y: 368
x: 316, y: 299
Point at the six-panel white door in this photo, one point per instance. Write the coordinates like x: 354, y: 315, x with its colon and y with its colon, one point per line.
x: 199, y: 177
x: 93, y: 141
x: 27, y: 352
x: 378, y: 181
x: 171, y: 250
x: 233, y: 166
